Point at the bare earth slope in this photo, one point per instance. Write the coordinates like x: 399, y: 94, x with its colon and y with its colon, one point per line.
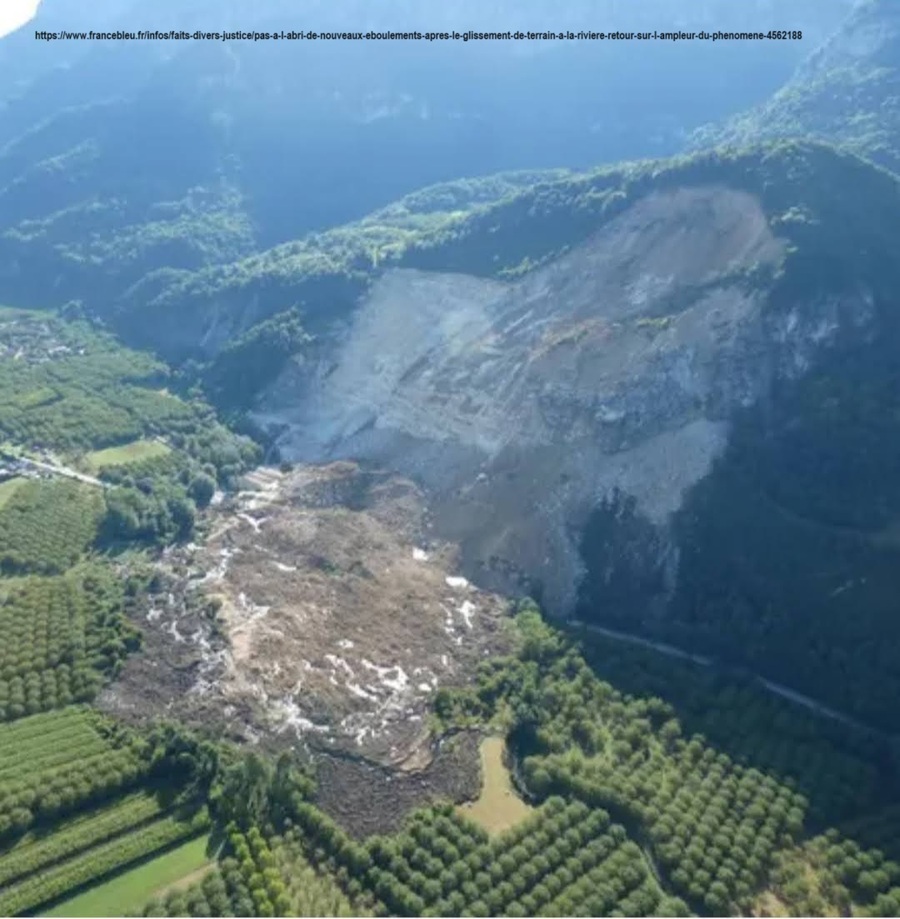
x: 521, y: 407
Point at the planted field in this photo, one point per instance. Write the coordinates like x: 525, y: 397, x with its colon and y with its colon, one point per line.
x: 74, y: 388
x: 127, y: 892
x: 61, y: 636
x: 257, y: 880
x: 442, y: 864
x: 309, y: 892
x: 832, y: 764
x: 716, y: 813
x: 35, y: 853
x: 8, y: 489
x: 499, y: 806
x: 45, y: 526
x: 51, y: 764
x: 445, y: 865
x: 97, y: 862
x: 134, y: 452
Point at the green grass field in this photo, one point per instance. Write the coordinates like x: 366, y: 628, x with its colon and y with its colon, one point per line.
x: 498, y: 807
x: 134, y: 452
x: 130, y: 890
x: 7, y: 489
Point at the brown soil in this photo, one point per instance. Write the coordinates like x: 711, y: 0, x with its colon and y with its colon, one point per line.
x: 185, y: 882
x: 366, y: 798
x: 338, y: 619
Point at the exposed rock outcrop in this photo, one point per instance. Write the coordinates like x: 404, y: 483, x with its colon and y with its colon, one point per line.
x: 610, y: 375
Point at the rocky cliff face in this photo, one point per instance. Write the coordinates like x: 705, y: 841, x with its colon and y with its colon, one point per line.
x: 604, y: 382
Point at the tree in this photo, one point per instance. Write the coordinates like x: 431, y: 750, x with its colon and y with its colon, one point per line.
x: 202, y: 489
x: 176, y: 904
x: 717, y: 898
x: 431, y: 889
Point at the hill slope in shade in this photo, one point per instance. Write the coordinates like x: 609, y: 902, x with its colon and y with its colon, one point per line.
x: 117, y: 159
x: 848, y: 92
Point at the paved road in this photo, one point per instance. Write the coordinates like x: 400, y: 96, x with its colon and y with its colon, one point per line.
x: 776, y: 688
x: 64, y: 471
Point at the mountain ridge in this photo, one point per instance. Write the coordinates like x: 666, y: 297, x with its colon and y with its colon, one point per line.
x: 846, y: 93
x: 580, y: 428
x: 117, y: 159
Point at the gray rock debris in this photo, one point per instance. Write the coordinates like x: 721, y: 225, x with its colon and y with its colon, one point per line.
x: 521, y: 406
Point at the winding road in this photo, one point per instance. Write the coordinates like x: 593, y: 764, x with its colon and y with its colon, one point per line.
x: 777, y: 688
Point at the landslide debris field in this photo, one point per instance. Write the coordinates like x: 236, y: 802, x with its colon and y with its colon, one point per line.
x: 317, y: 609
x: 615, y: 366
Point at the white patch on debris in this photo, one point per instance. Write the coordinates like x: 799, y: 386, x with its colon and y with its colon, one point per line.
x: 345, y: 643
x: 397, y: 683
x: 282, y: 567
x: 256, y: 612
x: 338, y: 663
x: 467, y: 610
x: 253, y: 521
x: 287, y: 714
x: 358, y: 691
x: 173, y: 631
x: 457, y: 583
x: 449, y: 625
x: 199, y: 639
x: 357, y: 725
x: 202, y: 687
x: 420, y: 555
x: 219, y: 572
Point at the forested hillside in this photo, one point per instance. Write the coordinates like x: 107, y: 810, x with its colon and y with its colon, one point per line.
x: 847, y: 92
x: 502, y: 226
x: 118, y: 160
